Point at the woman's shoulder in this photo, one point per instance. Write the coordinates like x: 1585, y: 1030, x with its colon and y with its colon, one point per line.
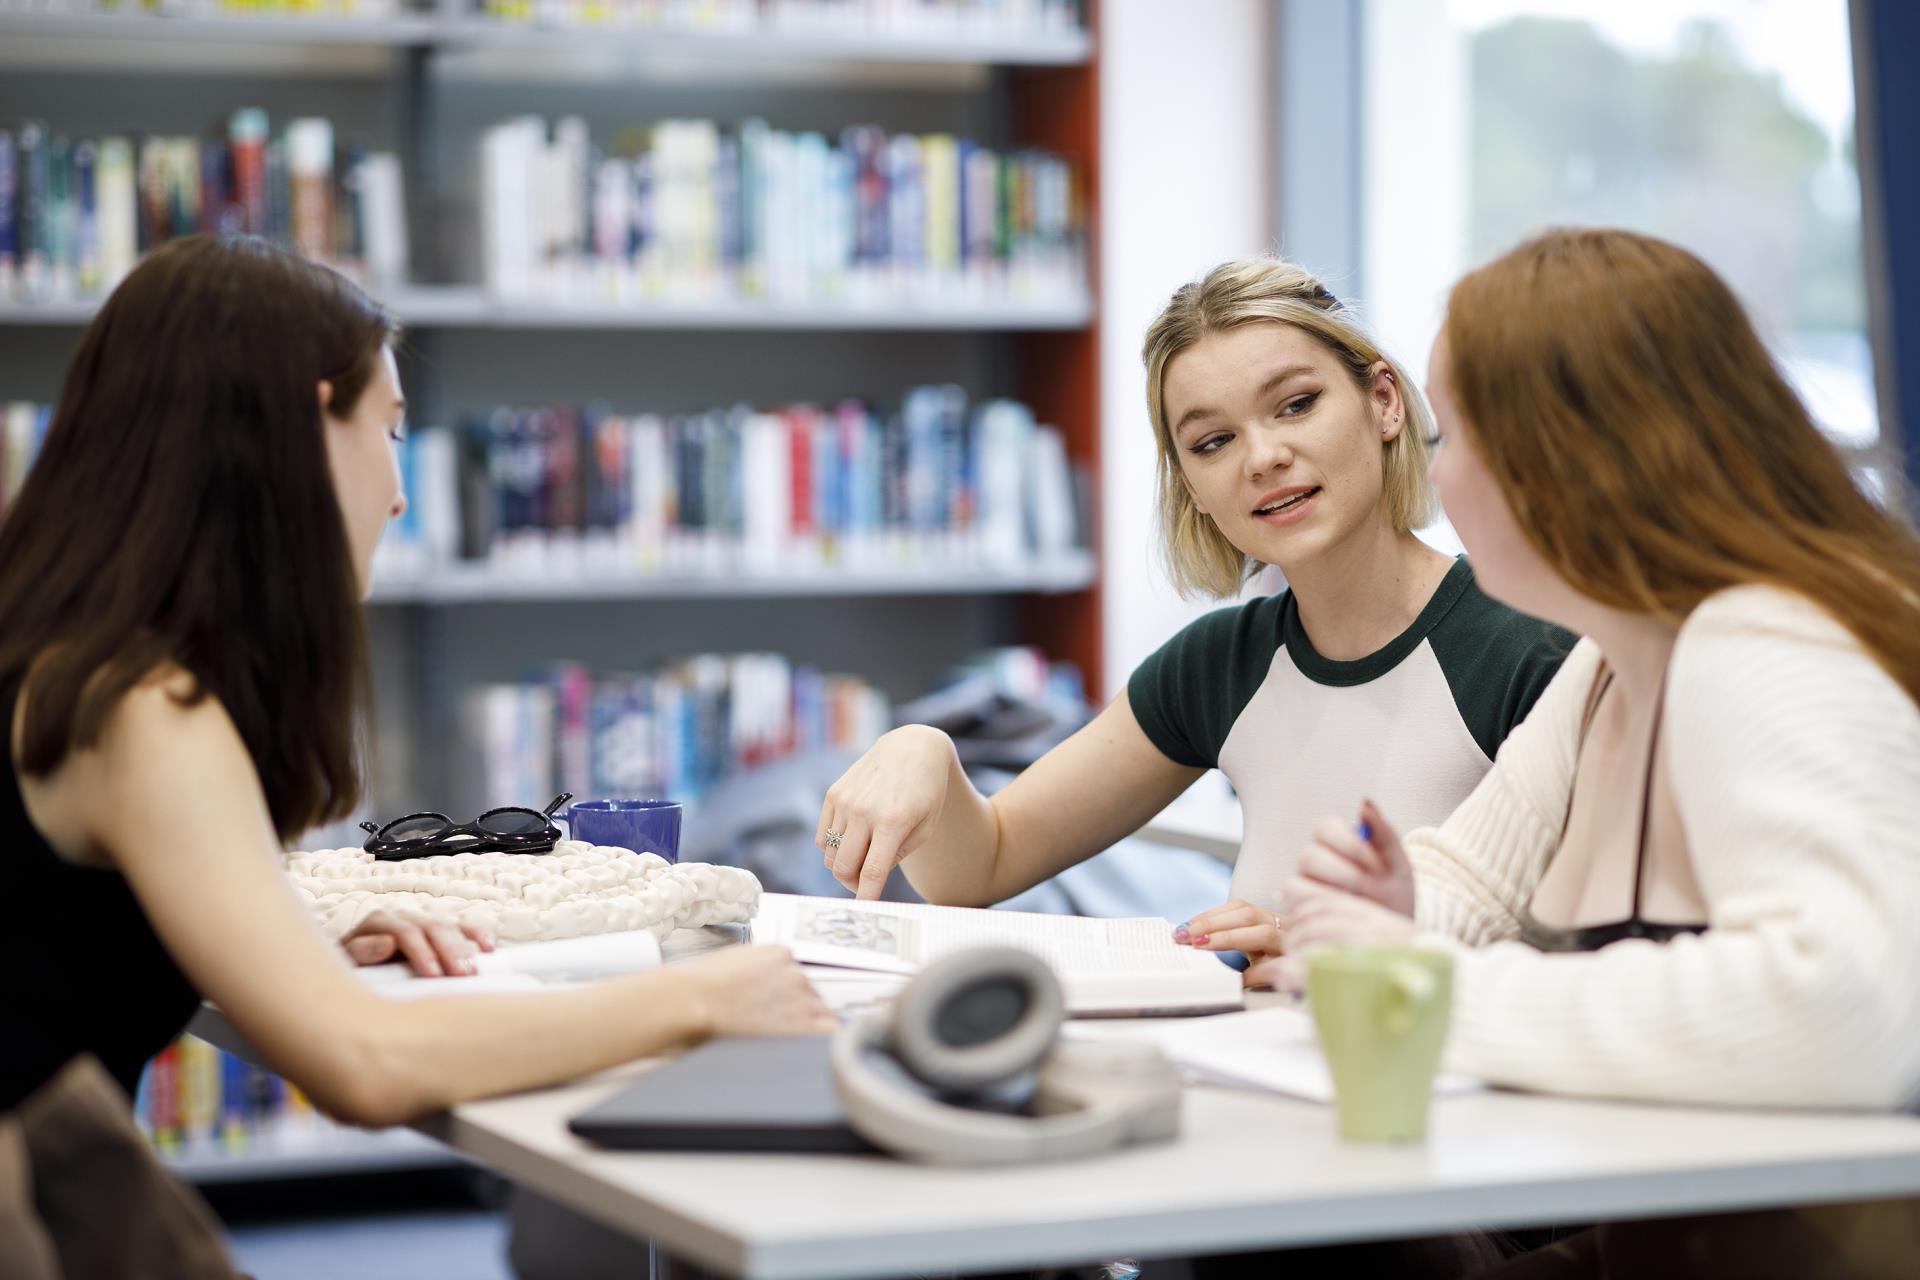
x: 1762, y: 639
x: 1188, y: 692
x: 1762, y: 610
x: 1478, y: 623
x: 165, y: 710
x: 1233, y: 628
x: 1499, y: 662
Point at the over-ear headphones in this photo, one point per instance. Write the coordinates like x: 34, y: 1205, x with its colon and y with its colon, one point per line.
x: 967, y: 1067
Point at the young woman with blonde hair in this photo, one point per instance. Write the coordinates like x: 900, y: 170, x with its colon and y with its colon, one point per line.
x: 1288, y: 438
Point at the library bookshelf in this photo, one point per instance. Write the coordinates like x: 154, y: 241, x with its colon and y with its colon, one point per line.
x: 470, y: 307
x: 427, y: 82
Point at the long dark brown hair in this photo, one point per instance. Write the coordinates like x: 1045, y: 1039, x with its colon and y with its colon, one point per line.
x: 1653, y: 452
x: 182, y: 511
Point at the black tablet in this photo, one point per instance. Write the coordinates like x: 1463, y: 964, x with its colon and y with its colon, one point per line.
x: 749, y: 1093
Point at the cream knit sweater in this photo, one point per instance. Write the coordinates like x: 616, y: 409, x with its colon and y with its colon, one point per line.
x: 1794, y: 761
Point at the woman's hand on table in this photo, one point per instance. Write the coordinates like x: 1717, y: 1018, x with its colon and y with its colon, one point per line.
x: 432, y: 948
x: 884, y: 807
x: 1235, y: 926
x: 756, y: 991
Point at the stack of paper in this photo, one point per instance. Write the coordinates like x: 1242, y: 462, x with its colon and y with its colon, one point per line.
x: 1266, y: 1050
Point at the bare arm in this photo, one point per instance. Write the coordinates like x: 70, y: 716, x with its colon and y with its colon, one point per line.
x: 907, y: 801
x: 177, y: 808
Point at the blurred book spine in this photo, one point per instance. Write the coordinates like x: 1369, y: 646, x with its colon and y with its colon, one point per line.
x: 196, y: 1098
x: 673, y: 731
x: 563, y: 493
x: 23, y: 426
x: 687, y: 211
x: 75, y: 214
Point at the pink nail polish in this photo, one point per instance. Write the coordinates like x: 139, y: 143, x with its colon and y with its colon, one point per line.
x: 1202, y: 940
x: 1180, y: 934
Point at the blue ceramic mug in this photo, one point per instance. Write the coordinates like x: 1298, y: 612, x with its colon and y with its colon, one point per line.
x: 645, y: 826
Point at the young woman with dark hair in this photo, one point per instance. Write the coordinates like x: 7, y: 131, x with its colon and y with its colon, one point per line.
x: 182, y: 661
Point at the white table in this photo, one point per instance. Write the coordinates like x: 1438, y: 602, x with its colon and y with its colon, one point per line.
x: 1248, y: 1171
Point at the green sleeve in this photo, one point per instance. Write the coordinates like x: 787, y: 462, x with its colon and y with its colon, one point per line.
x: 1497, y: 662
x: 1190, y: 690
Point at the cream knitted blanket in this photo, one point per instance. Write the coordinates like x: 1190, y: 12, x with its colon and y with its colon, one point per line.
x: 577, y: 889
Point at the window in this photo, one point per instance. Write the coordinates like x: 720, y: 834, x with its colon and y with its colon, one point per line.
x: 1724, y: 125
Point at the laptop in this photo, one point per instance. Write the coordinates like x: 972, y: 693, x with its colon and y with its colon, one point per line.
x: 745, y: 1093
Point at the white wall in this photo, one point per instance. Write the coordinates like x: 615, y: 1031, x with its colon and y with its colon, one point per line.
x: 1187, y: 141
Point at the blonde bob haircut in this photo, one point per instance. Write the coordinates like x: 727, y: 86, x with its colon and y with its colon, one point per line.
x: 1267, y: 290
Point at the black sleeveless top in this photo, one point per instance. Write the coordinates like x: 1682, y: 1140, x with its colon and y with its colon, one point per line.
x: 82, y: 968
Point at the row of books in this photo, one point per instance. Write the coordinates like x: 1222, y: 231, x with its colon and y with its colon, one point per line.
x: 193, y: 1095
x: 674, y: 731
x: 293, y: 10
x: 76, y: 214
x: 689, y: 210
x: 904, y: 17
x: 890, y: 17
x: 564, y: 492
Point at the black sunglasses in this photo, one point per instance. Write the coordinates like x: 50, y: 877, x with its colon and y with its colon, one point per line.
x: 509, y: 830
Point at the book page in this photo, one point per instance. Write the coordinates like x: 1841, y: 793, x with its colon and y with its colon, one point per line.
x: 899, y: 937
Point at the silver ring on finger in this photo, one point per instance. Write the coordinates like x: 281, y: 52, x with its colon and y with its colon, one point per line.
x: 833, y: 839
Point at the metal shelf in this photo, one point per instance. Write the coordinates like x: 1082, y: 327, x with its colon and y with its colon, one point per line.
x: 469, y: 307
x: 74, y: 312
x: 325, y: 1152
x: 463, y: 584
x: 984, y: 47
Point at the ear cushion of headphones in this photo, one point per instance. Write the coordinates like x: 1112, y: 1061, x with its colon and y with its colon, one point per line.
x: 976, y: 1018
x: 922, y: 1127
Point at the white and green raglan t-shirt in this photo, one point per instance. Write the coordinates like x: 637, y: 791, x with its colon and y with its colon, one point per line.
x: 1413, y: 726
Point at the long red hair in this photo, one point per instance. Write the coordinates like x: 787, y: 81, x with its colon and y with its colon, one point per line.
x: 1653, y: 452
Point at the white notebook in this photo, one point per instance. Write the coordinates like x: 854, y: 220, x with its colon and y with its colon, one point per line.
x: 1107, y: 968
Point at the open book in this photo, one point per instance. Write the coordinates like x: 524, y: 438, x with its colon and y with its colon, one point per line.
x: 526, y: 966
x: 1107, y: 968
